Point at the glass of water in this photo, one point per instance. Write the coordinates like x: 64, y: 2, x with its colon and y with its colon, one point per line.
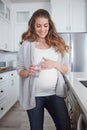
x: 38, y: 69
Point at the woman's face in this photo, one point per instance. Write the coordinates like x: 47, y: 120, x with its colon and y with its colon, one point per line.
x: 41, y: 27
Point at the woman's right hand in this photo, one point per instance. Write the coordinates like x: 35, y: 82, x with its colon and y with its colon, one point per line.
x: 31, y: 70
x: 25, y: 73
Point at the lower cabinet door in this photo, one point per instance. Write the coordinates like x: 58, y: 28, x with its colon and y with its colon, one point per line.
x: 8, y: 92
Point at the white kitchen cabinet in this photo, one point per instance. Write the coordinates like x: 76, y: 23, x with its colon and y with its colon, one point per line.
x: 58, y: 13
x: 73, y: 106
x: 78, y: 20
x: 8, y: 91
x: 5, y: 35
x: 74, y: 109
x: 3, y: 44
x: 5, y: 27
x: 68, y: 15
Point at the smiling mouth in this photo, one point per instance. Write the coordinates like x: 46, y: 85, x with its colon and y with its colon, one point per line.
x: 43, y: 34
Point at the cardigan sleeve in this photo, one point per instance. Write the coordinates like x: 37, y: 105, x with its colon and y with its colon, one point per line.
x: 20, y: 59
x: 64, y: 60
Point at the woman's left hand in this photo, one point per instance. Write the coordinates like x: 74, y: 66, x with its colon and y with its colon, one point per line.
x: 47, y: 64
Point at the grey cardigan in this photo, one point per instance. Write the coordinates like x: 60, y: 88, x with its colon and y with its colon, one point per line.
x: 27, y: 85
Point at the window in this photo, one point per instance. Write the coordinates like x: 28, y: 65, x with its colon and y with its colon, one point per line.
x: 22, y: 16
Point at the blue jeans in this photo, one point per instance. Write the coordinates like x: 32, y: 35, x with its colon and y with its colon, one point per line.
x: 57, y: 109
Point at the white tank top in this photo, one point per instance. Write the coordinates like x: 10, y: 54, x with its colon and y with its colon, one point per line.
x: 46, y: 82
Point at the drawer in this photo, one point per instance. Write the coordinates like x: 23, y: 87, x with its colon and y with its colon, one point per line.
x: 8, y: 91
x: 6, y: 105
x: 5, y: 89
x: 6, y: 76
x: 3, y: 107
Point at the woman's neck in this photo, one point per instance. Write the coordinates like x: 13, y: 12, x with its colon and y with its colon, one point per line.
x: 41, y: 44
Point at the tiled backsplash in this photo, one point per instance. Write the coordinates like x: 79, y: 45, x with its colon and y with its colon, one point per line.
x: 2, y: 63
x: 8, y: 57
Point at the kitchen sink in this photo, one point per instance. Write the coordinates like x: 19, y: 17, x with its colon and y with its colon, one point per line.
x: 84, y: 83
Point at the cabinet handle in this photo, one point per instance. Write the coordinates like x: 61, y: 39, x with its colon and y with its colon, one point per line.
x: 2, y: 91
x: 67, y: 28
x: 12, y: 82
x: 1, y: 78
x: 2, y: 108
x: 11, y: 74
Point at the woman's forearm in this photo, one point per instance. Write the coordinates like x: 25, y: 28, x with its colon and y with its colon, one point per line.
x: 60, y: 67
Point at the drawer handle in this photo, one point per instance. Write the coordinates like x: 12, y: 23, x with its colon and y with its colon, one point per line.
x: 11, y: 74
x: 1, y: 78
x: 2, y: 108
x: 2, y: 91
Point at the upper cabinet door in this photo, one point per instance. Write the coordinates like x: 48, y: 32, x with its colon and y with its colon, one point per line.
x: 68, y: 15
x: 59, y: 14
x: 5, y: 26
x: 78, y: 15
x: 5, y: 35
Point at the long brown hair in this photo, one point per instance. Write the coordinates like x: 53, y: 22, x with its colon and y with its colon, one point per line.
x: 52, y: 38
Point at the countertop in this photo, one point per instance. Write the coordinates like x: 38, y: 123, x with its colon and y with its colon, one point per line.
x: 79, y: 90
x: 9, y: 69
